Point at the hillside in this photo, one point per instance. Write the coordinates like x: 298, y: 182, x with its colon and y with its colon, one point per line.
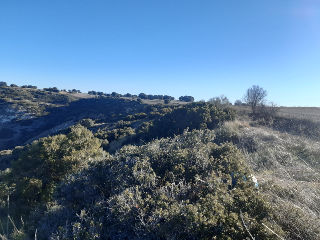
x: 29, y: 114
x: 76, y: 166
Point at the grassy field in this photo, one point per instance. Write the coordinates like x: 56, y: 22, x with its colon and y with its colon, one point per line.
x: 287, y: 168
x: 312, y: 113
x: 286, y: 163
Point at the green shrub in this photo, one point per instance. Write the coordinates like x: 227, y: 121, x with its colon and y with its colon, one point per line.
x: 140, y: 115
x: 129, y: 118
x: 45, y: 162
x: 154, y: 115
x: 166, y: 101
x: 170, y: 188
x: 88, y: 123
x: 175, y: 121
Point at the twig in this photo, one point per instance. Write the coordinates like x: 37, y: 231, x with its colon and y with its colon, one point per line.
x: 8, y: 217
x: 15, y: 228
x: 245, y: 225
x: 272, y: 231
x: 3, y: 237
x: 2, y: 228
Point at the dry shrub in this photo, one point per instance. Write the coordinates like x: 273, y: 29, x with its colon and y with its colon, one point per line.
x: 298, y: 126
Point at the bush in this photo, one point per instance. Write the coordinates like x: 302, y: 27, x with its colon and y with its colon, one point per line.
x: 143, y: 96
x: 266, y: 113
x: 88, y: 123
x: 186, y: 98
x: 170, y: 188
x: 140, y: 115
x: 167, y: 101
x: 44, y: 163
x: 220, y: 101
x: 153, y: 115
x: 129, y: 118
x: 175, y: 121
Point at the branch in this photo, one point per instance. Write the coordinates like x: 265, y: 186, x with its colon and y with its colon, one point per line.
x: 245, y: 225
x: 272, y: 231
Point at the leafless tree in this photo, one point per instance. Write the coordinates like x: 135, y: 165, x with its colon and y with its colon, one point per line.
x: 255, y: 96
x: 220, y: 101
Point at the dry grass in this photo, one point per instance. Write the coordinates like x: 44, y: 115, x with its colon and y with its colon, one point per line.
x: 157, y: 101
x: 288, y: 171
x: 312, y: 113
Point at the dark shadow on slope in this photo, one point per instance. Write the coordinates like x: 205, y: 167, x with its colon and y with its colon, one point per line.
x: 109, y: 109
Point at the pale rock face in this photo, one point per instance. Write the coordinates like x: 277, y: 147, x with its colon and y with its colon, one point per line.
x: 7, y: 114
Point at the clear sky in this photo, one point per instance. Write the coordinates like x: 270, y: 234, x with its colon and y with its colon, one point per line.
x: 176, y: 47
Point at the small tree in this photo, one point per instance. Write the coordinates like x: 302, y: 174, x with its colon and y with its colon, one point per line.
x: 166, y: 97
x: 143, y: 96
x: 3, y: 84
x: 186, y: 98
x: 167, y: 101
x: 255, y: 96
x: 88, y: 123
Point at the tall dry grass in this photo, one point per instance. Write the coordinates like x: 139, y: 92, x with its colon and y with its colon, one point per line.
x: 287, y: 167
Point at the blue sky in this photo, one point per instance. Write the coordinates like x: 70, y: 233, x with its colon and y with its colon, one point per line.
x: 176, y: 47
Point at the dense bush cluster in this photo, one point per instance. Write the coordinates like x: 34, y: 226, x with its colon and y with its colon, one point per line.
x: 136, y: 116
x: 114, y: 134
x: 163, y: 121
x: 45, y: 162
x: 24, y: 86
x: 33, y: 100
x: 152, y: 97
x: 173, y: 121
x: 51, y: 89
x: 177, y: 188
x: 186, y: 98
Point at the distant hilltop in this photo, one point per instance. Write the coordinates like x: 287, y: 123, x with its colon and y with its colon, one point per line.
x: 166, y: 98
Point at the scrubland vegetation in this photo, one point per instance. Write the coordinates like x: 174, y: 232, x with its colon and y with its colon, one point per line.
x: 127, y: 170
